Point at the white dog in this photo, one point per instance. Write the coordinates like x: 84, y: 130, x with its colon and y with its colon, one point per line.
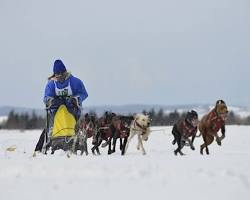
x: 140, y: 127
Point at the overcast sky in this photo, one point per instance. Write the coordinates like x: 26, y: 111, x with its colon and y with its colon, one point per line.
x: 126, y: 52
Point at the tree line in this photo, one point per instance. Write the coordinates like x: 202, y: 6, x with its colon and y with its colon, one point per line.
x: 23, y: 121
x: 168, y: 119
x: 159, y: 118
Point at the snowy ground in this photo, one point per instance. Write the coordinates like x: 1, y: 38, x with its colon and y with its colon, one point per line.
x: 225, y: 174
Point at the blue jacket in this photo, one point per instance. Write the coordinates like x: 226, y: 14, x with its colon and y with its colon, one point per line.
x: 76, y: 85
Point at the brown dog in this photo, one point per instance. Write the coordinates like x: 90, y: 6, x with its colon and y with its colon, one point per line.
x: 211, y: 123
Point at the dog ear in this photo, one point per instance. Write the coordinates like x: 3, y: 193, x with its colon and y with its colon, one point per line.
x: 218, y: 102
x: 137, y: 116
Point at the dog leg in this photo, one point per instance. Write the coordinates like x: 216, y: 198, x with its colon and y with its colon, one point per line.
x: 204, y: 144
x: 86, y: 147
x: 97, y: 146
x: 124, y: 145
x: 201, y: 149
x: 175, y: 133
x: 218, y: 140
x: 115, y: 137
x: 73, y: 148
x: 222, y: 137
x: 179, y: 148
x: 209, y: 140
x: 132, y: 134
x: 178, y: 151
x: 192, y: 146
x: 180, y: 143
x: 109, y: 148
x: 223, y: 132
x: 140, y: 144
x: 121, y: 144
x: 98, y: 151
x: 207, y: 150
x: 52, y: 151
x: 93, y: 150
x: 192, y: 143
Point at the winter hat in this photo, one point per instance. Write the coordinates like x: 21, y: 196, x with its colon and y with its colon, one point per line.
x: 59, y: 67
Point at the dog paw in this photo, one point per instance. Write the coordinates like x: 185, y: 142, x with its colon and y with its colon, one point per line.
x: 110, y: 151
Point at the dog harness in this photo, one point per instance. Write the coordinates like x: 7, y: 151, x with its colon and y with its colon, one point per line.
x: 216, y: 121
x: 88, y: 126
x: 136, y: 124
x: 188, y: 130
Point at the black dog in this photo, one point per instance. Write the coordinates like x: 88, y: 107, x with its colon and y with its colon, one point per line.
x: 183, y: 130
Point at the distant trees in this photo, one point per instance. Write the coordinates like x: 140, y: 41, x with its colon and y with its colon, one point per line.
x: 23, y: 121
x: 164, y: 119
x: 168, y: 119
x: 236, y: 119
x: 159, y: 118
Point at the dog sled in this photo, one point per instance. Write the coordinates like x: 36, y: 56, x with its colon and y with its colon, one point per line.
x: 61, y: 132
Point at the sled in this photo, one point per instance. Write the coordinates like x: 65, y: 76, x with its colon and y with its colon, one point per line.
x: 61, y: 134
x: 63, y: 131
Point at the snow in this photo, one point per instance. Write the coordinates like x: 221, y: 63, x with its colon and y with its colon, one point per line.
x: 240, y: 111
x: 224, y: 174
x: 3, y: 119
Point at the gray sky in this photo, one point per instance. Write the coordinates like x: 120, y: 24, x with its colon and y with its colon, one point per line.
x: 130, y: 51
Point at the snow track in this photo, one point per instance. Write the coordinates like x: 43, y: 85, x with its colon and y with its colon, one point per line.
x: 159, y: 175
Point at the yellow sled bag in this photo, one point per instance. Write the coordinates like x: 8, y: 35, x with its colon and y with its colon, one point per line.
x: 64, y: 123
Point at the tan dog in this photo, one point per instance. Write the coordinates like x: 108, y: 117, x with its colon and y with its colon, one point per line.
x: 140, y: 127
x: 211, y: 123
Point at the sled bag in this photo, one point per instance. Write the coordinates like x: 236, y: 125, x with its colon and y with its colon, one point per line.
x: 64, y: 123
